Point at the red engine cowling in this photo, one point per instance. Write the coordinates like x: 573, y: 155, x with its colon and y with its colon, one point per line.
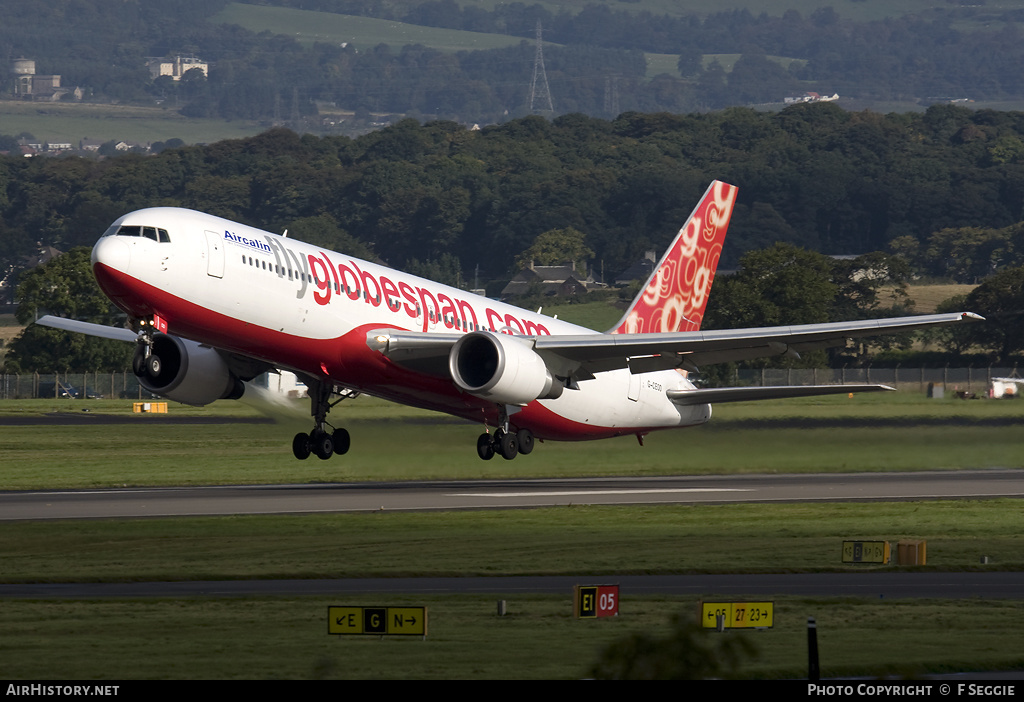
x: 501, y: 368
x: 187, y: 372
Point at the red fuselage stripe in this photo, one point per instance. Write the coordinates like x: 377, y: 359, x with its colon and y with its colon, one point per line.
x: 346, y: 358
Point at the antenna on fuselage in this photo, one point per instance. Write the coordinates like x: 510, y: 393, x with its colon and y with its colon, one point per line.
x: 285, y: 235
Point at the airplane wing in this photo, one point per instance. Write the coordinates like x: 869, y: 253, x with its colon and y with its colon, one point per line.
x: 73, y: 325
x: 244, y: 367
x: 585, y: 354
x: 702, y: 396
x: 650, y: 352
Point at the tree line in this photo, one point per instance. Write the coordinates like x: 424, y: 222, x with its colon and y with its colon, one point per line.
x: 940, y: 193
x: 943, y: 189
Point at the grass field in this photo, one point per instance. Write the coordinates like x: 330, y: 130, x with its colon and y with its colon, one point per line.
x: 285, y: 638
x: 280, y: 637
x: 361, y: 32
x: 898, y: 431
x: 860, y: 11
x: 927, y: 297
x: 634, y: 540
x: 72, y: 122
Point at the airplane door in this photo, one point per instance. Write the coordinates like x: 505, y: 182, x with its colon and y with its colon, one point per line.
x: 215, y: 255
x: 634, y: 387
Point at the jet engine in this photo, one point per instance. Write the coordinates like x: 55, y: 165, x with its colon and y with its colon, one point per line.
x: 183, y: 371
x: 501, y: 368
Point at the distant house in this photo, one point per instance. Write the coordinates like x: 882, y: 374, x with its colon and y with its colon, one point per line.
x: 810, y: 97
x: 176, y: 67
x: 555, y: 281
x: 34, y: 86
x: 641, y: 270
x: 9, y: 277
x: 43, y: 255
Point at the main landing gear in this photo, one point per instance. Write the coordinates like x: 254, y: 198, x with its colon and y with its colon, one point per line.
x: 324, y: 440
x: 505, y: 442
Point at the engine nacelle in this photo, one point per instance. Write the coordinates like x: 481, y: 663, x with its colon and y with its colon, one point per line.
x: 188, y: 373
x: 501, y: 368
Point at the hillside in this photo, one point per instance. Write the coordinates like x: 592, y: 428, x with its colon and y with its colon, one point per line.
x: 293, y: 63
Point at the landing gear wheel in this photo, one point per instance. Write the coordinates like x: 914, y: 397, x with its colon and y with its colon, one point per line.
x: 524, y: 441
x: 506, y: 445
x: 300, y: 446
x: 153, y: 366
x: 139, y: 362
x: 322, y: 444
x: 324, y: 440
x: 485, y: 446
x: 342, y: 441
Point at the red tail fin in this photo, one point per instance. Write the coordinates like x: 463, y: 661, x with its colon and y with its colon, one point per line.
x: 677, y: 291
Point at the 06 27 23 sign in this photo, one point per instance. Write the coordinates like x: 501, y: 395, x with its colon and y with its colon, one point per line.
x: 593, y: 601
x: 738, y: 615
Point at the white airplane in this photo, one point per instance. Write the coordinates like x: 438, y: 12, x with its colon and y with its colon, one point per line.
x: 214, y: 303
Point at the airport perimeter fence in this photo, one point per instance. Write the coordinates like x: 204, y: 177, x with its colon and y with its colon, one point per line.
x: 968, y: 381
x: 963, y: 381
x: 94, y: 385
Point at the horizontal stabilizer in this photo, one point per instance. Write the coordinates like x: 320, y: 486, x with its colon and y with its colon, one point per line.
x: 73, y: 325
x: 703, y: 396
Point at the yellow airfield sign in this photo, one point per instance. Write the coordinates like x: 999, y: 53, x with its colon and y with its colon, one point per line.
x: 377, y: 621
x: 866, y: 552
x: 738, y: 615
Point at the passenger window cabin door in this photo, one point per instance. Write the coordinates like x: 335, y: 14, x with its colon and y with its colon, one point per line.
x: 214, y: 255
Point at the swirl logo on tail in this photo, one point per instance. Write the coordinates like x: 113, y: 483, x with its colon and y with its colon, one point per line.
x: 676, y: 294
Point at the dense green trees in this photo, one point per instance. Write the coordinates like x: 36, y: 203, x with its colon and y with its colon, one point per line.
x: 812, y: 176
x: 444, y: 200
x: 1000, y: 299
x: 557, y: 247
x: 64, y: 287
x: 783, y: 285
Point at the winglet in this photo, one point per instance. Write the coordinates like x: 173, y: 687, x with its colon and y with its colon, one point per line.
x: 676, y: 294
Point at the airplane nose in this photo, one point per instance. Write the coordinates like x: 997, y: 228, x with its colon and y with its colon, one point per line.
x: 113, y: 252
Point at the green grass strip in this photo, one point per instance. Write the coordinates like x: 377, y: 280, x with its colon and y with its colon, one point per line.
x: 286, y: 638
x: 549, y: 541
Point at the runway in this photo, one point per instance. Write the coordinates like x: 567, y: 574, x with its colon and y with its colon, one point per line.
x: 126, y: 503
x: 130, y: 503
x: 873, y: 585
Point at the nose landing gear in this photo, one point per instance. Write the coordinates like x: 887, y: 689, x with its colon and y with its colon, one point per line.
x: 145, y: 363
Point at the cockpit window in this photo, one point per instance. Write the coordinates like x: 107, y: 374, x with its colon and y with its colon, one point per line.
x: 154, y: 233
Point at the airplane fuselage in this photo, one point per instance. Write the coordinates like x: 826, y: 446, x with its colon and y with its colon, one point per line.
x: 302, y: 308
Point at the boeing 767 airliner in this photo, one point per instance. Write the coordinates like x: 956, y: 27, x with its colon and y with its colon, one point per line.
x: 213, y: 303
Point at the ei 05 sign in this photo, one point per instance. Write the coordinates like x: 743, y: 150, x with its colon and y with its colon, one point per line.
x: 593, y: 601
